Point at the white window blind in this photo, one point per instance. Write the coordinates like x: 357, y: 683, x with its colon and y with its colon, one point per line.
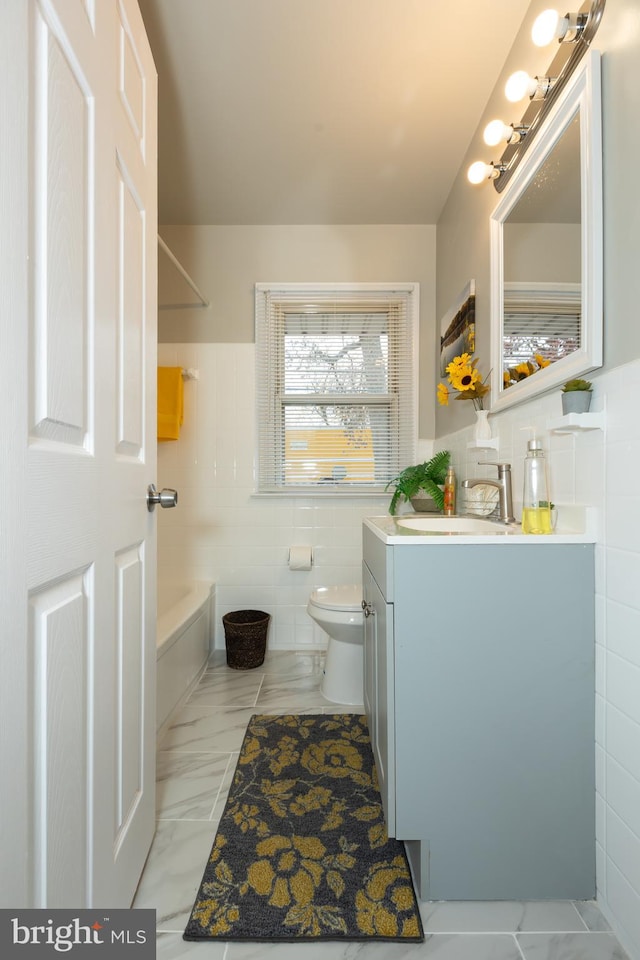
x: 336, y: 386
x: 541, y: 318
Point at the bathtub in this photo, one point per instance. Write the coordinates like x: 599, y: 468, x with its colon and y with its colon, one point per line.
x: 184, y: 627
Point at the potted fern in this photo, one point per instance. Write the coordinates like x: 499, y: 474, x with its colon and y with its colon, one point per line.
x: 421, y: 484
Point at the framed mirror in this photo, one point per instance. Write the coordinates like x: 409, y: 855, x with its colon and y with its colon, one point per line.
x: 546, y: 251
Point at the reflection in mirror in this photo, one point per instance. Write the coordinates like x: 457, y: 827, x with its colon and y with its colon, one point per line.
x: 541, y: 235
x: 546, y: 252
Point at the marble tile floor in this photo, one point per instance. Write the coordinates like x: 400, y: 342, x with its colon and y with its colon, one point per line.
x: 196, y: 760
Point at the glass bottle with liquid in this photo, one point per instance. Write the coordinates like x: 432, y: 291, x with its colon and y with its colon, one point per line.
x: 536, y: 511
x: 450, y: 493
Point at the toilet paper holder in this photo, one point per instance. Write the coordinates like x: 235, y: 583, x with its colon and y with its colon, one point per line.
x: 300, y: 558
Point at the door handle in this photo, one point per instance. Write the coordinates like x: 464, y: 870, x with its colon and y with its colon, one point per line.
x: 367, y: 608
x: 165, y: 498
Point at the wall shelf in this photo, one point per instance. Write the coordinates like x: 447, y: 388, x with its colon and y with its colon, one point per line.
x: 185, y: 276
x: 491, y: 444
x: 577, y: 422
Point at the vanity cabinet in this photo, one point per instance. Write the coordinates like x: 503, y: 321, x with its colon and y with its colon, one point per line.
x: 479, y: 693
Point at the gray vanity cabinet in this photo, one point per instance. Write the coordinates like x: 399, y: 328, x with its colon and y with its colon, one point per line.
x: 479, y: 691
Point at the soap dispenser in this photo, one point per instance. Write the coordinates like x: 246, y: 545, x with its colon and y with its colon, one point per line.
x: 536, y: 512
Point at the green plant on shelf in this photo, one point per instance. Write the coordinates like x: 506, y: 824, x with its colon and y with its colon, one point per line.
x: 577, y: 384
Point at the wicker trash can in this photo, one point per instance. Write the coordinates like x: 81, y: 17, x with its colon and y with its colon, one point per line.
x: 245, y: 634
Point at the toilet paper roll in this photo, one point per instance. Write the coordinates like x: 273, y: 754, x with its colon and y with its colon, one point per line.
x: 300, y: 558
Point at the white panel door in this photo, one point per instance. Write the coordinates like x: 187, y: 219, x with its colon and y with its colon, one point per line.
x: 78, y: 630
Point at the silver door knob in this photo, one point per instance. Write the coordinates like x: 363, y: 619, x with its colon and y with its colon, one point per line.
x: 165, y: 498
x: 367, y: 608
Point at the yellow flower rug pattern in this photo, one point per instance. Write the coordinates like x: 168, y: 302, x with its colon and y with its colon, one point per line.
x: 302, y: 852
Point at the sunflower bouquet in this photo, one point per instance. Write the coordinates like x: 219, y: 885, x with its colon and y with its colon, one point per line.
x: 464, y: 378
x: 523, y: 370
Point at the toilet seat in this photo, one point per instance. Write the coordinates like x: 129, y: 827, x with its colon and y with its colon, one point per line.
x: 346, y: 597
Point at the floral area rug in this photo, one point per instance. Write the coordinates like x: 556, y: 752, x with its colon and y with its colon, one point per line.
x: 302, y: 851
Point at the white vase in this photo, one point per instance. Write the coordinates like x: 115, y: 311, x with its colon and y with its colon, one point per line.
x: 482, y: 429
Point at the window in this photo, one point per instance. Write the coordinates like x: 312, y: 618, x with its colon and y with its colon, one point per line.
x: 336, y: 385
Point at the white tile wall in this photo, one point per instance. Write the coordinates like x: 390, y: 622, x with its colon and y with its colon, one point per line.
x: 220, y: 532
x: 598, y: 468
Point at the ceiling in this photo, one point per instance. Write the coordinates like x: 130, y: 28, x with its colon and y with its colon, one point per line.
x: 320, y: 111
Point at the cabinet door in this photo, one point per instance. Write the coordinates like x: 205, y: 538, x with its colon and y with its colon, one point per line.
x: 379, y: 696
x: 369, y: 652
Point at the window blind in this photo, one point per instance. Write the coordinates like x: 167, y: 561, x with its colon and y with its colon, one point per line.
x: 335, y: 386
x: 543, y: 319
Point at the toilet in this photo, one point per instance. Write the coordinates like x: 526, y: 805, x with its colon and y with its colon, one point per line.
x: 338, y: 610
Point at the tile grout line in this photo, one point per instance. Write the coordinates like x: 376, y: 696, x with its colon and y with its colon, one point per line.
x: 222, y: 782
x: 509, y: 933
x: 255, y: 699
x: 183, y: 820
x: 518, y: 947
x: 582, y: 920
x: 205, y: 753
x: 559, y: 933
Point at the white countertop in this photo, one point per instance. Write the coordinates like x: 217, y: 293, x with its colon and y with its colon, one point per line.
x: 576, y: 524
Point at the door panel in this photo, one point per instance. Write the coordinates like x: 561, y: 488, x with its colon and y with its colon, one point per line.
x: 132, y: 82
x: 63, y: 117
x: 131, y: 317
x: 130, y: 766
x: 61, y: 632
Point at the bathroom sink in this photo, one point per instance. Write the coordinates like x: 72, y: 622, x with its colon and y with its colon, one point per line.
x: 413, y: 529
x: 439, y: 524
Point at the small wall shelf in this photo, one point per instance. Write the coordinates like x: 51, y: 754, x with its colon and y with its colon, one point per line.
x: 185, y: 276
x: 491, y: 444
x: 577, y: 422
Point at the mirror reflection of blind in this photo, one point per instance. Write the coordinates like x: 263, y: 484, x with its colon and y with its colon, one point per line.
x: 541, y: 318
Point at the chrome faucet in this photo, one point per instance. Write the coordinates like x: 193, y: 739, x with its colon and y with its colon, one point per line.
x: 502, y: 484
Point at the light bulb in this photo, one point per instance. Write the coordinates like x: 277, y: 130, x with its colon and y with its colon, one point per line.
x: 480, y: 171
x: 547, y: 27
x: 519, y: 85
x: 495, y: 132
x: 551, y: 26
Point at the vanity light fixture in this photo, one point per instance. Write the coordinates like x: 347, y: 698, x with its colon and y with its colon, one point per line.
x: 551, y: 26
x: 480, y: 171
x: 521, y: 85
x: 497, y: 131
x: 575, y: 32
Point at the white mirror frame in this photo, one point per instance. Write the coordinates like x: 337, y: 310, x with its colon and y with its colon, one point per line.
x: 581, y: 94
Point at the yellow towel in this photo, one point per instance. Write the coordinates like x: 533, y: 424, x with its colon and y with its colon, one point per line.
x: 170, y: 403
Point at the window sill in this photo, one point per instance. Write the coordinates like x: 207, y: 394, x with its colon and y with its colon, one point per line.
x: 333, y: 492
